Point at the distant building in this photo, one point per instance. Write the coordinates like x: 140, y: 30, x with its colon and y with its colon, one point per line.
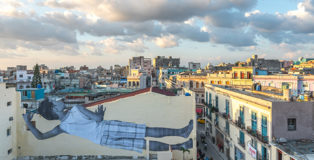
x: 141, y: 63
x: 24, y: 77
x: 31, y: 97
x: 193, y: 65
x: 162, y: 61
x: 271, y: 65
x: 138, y: 79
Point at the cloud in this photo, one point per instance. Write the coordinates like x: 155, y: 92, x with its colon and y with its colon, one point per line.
x: 167, y: 41
x: 143, y: 10
x: 32, y: 30
x: 233, y: 37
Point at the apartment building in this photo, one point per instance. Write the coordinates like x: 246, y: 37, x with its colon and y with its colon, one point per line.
x: 10, y: 101
x: 243, y: 123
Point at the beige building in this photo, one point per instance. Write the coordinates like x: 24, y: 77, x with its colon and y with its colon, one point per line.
x: 10, y: 101
x: 151, y: 106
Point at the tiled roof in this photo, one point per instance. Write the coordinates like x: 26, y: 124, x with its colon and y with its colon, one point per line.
x: 145, y: 90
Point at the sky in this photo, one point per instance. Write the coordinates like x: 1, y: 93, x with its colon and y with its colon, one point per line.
x: 107, y: 32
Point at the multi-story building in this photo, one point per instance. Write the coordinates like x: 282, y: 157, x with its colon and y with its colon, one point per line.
x: 270, y: 65
x: 162, y: 61
x: 31, y: 97
x: 194, y: 82
x: 165, y: 73
x: 24, y: 77
x: 138, y: 79
x: 145, y: 64
x: 193, y: 65
x: 10, y: 101
x: 243, y: 123
x: 298, y: 84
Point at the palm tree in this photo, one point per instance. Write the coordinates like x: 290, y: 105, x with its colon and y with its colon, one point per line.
x: 183, y: 151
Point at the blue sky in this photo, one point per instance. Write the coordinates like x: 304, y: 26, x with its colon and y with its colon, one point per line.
x: 85, y: 32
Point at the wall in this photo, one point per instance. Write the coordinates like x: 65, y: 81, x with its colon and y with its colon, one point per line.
x: 302, y: 111
x: 155, y: 110
x: 7, y: 142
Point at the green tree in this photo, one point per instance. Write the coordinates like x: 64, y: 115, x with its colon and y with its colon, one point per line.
x: 183, y: 151
x: 36, y: 78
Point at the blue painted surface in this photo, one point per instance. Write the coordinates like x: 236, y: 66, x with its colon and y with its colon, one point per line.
x: 187, y: 94
x: 261, y: 72
x: 32, y: 94
x: 264, y: 126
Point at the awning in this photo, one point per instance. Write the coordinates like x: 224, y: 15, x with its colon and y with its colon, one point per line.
x: 199, y: 110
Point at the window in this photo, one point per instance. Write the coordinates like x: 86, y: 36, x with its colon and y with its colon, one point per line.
x: 25, y: 105
x: 8, y: 131
x: 292, y: 124
x: 10, y: 118
x: 21, y: 75
x: 254, y: 122
x: 227, y: 107
x: 10, y: 151
x: 9, y: 103
x: 24, y: 93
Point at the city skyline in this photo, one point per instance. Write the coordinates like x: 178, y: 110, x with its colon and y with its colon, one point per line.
x: 110, y: 32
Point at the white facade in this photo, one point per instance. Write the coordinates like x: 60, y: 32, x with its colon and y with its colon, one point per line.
x: 10, y: 101
x: 229, y: 137
x: 23, y: 79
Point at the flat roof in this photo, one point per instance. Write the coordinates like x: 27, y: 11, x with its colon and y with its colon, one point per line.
x: 303, y: 148
x: 256, y: 95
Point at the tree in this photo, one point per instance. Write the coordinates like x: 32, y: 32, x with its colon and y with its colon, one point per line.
x: 183, y: 151
x: 36, y: 78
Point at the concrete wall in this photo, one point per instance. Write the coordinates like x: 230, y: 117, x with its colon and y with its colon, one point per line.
x: 7, y: 111
x: 155, y: 110
x: 302, y: 111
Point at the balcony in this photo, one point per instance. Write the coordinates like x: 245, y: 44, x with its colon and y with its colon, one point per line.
x: 260, y: 157
x: 257, y: 134
x: 226, y: 116
x: 241, y: 143
x: 240, y: 124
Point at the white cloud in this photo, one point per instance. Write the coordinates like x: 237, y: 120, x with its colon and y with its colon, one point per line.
x: 167, y: 41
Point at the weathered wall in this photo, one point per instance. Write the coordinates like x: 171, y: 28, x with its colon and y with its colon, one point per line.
x: 153, y: 109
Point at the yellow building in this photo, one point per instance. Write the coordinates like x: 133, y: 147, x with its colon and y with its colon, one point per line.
x: 238, y: 76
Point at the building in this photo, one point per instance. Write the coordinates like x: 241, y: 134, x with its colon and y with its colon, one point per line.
x: 31, y: 97
x: 142, y: 63
x: 195, y: 66
x: 10, y: 101
x: 162, y: 61
x: 138, y: 79
x: 165, y: 73
x: 299, y: 85
x: 145, y: 106
x: 243, y: 123
x: 194, y: 82
x: 24, y: 77
x: 270, y: 65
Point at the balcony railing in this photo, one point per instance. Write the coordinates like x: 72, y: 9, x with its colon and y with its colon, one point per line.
x: 257, y: 134
x: 241, y: 143
x: 260, y: 157
x: 240, y: 124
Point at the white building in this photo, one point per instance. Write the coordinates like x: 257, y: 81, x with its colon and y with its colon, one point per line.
x: 24, y: 77
x: 243, y: 124
x: 10, y: 101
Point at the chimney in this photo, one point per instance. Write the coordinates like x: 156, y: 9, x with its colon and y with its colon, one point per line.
x: 286, y: 94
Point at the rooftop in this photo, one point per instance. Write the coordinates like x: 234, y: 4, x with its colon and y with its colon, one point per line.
x: 264, y: 95
x: 301, y: 149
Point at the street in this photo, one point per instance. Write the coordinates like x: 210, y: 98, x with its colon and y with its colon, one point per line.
x: 211, y: 152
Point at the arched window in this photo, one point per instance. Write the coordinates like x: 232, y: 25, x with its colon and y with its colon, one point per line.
x: 197, y: 85
x: 191, y: 84
x: 133, y: 84
x: 202, y: 84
